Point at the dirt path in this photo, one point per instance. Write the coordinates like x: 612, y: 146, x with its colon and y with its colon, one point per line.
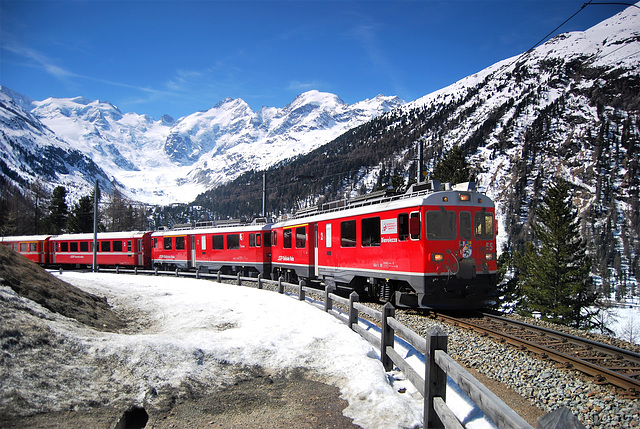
x: 261, y: 402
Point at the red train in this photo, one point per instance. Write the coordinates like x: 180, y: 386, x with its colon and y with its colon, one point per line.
x: 432, y: 247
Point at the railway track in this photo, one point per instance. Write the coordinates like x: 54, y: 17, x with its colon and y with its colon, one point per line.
x: 607, y: 364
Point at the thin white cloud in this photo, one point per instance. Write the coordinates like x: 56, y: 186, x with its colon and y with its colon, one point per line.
x: 42, y: 61
x: 295, y: 85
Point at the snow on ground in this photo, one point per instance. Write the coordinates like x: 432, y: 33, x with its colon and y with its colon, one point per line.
x: 195, y: 330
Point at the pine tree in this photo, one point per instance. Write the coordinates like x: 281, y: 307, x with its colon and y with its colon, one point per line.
x: 555, y: 274
x: 58, y: 211
x: 452, y: 168
x: 81, y: 219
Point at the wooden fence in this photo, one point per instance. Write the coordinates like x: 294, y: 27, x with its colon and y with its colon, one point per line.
x: 438, y: 364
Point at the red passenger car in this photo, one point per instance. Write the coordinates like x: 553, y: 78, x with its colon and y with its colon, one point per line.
x: 33, y: 247
x: 129, y: 249
x: 431, y: 249
x: 244, y: 249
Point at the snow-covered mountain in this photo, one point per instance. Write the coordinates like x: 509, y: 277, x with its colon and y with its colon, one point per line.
x: 166, y: 161
x: 33, y: 152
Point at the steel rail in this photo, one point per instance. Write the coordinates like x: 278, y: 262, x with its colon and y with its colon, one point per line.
x: 569, y: 361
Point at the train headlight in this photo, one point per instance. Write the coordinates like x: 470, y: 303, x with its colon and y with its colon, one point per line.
x: 437, y: 257
x: 490, y: 256
x: 465, y: 197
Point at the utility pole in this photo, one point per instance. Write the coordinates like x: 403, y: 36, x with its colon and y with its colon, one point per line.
x: 264, y: 194
x: 94, y: 267
x: 420, y: 162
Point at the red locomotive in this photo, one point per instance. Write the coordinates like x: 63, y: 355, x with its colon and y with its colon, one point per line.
x: 431, y: 247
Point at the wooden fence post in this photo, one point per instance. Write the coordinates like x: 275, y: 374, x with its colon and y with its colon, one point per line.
x: 435, y: 379
x: 259, y: 281
x: 135, y: 271
x: 219, y: 277
x: 155, y: 271
x: 117, y: 269
x: 198, y: 271
x: 301, y: 291
x: 388, y: 335
x: 280, y: 285
x: 328, y: 302
x: 353, y: 312
x: 239, y: 281
x: 177, y: 272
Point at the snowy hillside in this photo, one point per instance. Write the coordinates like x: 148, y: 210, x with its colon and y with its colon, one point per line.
x: 569, y: 108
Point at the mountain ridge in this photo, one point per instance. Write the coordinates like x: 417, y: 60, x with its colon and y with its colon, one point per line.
x: 167, y: 160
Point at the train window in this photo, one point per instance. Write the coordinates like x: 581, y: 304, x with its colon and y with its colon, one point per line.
x: 301, y: 237
x: 155, y: 242
x: 34, y: 247
x: 23, y: 247
x: 258, y: 240
x: 117, y: 246
x: 370, y: 231
x: 441, y: 225
x: 217, y: 242
x: 403, y: 226
x: 252, y: 240
x: 128, y: 245
x: 286, y: 238
x: 267, y: 239
x: 180, y: 243
x: 233, y: 241
x: 105, y: 246
x: 274, y: 242
x: 84, y: 246
x: 483, y: 222
x: 64, y: 246
x: 348, y: 233
x: 328, y: 234
x: 466, y: 231
x: 73, y: 246
x: 415, y: 225
x: 203, y: 242
x: 168, y: 243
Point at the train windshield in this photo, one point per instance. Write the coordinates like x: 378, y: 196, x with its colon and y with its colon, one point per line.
x: 441, y: 225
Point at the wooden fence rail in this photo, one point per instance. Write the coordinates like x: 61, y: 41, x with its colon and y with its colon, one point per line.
x: 438, y: 364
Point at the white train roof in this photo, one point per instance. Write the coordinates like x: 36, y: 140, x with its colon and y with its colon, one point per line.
x: 380, y: 203
x: 101, y: 236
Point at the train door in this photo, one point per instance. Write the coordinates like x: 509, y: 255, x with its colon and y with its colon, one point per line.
x: 315, y: 252
x: 139, y: 250
x: 192, y: 260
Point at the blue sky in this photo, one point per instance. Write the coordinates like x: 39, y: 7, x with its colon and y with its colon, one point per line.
x: 178, y: 57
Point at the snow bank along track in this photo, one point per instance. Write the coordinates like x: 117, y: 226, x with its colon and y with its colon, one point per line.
x: 606, y: 363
